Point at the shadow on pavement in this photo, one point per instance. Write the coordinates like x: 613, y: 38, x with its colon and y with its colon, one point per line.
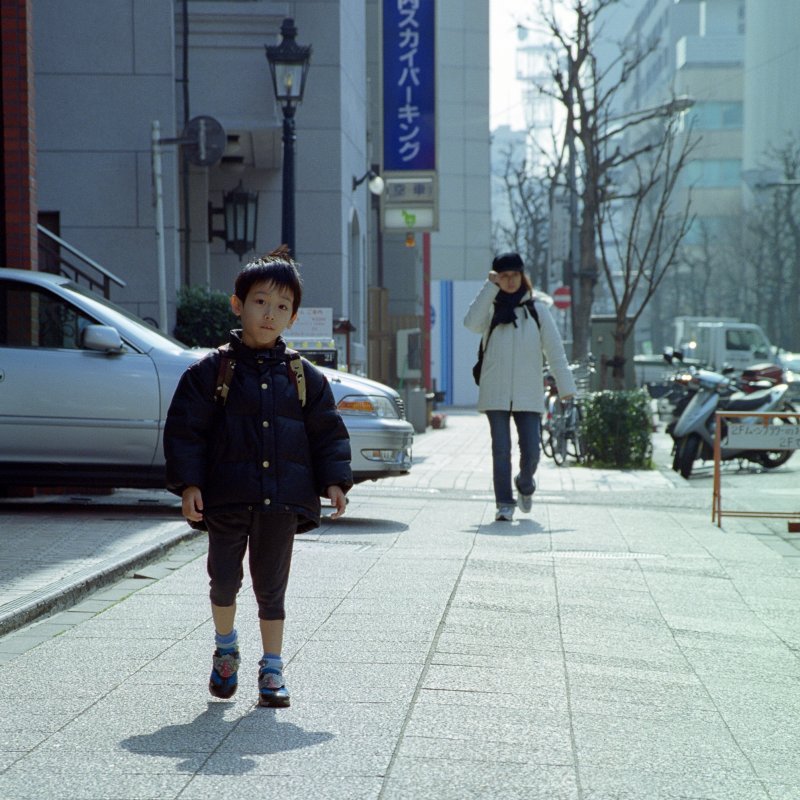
x: 363, y: 525
x: 262, y: 734
x: 519, y: 527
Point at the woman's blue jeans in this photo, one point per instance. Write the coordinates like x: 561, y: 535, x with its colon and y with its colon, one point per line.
x: 529, y: 434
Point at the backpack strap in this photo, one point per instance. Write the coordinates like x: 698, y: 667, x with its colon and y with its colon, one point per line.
x: 297, y: 374
x: 531, y: 307
x: 227, y: 363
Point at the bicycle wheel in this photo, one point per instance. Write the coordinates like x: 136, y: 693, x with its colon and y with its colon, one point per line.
x: 559, y: 442
x: 577, y: 438
x: 547, y: 441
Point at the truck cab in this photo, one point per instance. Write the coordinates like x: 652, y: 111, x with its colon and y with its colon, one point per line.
x: 728, y: 344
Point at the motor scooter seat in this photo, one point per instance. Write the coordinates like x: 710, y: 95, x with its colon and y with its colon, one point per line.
x: 748, y: 402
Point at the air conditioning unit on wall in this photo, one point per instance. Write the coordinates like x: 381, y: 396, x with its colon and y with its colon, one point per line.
x: 409, y: 353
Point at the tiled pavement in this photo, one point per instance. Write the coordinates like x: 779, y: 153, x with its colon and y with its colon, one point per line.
x: 613, y: 644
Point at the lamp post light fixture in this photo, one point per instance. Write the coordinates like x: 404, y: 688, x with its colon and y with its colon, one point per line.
x: 288, y: 65
x: 376, y: 184
x: 240, y: 212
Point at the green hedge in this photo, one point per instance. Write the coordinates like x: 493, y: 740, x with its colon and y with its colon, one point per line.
x: 204, y: 317
x: 617, y: 428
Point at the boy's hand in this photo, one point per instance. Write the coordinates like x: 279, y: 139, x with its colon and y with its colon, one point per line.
x: 192, y: 503
x: 336, y: 496
x: 493, y: 276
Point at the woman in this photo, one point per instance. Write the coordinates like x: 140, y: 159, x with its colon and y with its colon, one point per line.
x: 515, y: 328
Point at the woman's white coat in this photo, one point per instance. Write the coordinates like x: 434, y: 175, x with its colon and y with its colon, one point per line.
x: 512, y: 373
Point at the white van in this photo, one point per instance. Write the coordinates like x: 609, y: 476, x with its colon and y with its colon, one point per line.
x: 719, y: 344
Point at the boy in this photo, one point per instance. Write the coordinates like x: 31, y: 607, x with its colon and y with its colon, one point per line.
x: 251, y: 461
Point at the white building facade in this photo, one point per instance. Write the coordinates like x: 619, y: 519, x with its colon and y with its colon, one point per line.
x: 106, y: 71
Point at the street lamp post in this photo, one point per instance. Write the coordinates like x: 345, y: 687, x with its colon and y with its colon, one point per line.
x: 288, y: 65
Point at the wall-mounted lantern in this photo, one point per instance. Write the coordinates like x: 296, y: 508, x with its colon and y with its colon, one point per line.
x: 240, y: 212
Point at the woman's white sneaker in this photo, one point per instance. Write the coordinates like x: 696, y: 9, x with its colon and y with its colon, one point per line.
x: 524, y: 501
x: 504, y: 514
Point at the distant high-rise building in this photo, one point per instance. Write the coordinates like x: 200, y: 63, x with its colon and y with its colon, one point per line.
x: 772, y: 60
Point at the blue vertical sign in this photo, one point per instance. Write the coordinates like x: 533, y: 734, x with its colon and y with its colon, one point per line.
x: 409, y: 85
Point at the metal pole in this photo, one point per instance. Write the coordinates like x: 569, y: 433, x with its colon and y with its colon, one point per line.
x: 158, y: 200
x: 573, y: 267
x: 427, y: 384
x: 287, y: 219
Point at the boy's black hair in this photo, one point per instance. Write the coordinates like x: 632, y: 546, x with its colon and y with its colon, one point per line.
x: 276, y: 267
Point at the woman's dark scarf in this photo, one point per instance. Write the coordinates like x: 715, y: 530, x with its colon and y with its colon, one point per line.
x: 505, y: 305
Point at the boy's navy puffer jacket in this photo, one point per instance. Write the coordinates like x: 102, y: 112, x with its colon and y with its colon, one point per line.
x: 261, y: 449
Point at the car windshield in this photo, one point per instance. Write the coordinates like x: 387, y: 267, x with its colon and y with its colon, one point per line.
x: 145, y: 330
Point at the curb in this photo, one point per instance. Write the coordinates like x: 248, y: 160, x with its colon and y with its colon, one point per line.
x: 70, y: 590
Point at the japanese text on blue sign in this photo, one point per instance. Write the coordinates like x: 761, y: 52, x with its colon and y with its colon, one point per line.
x: 409, y: 82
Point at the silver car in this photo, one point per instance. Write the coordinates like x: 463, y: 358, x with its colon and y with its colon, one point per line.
x: 85, y: 387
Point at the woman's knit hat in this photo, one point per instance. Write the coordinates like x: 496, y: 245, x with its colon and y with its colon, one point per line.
x: 508, y: 262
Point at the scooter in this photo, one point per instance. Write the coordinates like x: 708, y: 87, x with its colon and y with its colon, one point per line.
x: 694, y: 429
x: 678, y: 390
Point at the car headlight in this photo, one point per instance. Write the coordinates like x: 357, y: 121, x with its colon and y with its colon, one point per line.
x: 367, y: 405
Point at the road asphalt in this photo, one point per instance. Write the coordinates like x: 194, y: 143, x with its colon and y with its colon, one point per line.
x: 614, y: 643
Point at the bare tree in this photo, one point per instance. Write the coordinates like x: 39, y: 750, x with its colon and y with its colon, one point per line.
x: 772, y: 236
x: 639, y: 230
x: 594, y: 141
x: 527, y: 190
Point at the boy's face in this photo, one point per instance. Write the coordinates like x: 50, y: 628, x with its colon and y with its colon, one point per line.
x: 265, y: 314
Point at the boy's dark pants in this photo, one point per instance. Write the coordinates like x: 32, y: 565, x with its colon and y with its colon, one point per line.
x: 269, y: 537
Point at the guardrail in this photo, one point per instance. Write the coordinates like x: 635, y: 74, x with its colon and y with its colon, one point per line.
x: 749, y: 436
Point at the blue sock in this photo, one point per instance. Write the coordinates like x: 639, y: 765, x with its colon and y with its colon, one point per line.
x: 226, y: 642
x: 272, y: 662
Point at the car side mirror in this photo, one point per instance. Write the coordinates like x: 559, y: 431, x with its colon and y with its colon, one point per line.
x: 103, y: 338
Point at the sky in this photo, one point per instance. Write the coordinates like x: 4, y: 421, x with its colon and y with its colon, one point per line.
x: 505, y: 95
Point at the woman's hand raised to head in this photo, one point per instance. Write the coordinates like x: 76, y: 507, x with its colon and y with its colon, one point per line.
x: 493, y: 276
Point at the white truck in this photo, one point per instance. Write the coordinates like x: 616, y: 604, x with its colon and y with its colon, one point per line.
x: 719, y: 342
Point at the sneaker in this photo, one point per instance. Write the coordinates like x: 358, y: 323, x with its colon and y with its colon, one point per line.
x: 504, y: 514
x: 223, y: 681
x: 272, y: 692
x: 524, y: 501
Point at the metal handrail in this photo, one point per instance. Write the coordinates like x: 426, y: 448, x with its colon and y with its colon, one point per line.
x: 77, y: 273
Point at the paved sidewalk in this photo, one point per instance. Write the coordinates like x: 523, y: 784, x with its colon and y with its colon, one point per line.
x: 55, y: 550
x: 612, y: 644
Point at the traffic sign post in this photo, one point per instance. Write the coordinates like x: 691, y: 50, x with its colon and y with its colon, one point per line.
x: 562, y: 300
x: 562, y: 297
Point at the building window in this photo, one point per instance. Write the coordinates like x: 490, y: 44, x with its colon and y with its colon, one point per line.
x: 714, y: 116
x: 715, y: 173
x: 707, y: 230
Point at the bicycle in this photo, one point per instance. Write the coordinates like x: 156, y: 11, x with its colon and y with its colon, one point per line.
x: 565, y: 435
x: 562, y: 432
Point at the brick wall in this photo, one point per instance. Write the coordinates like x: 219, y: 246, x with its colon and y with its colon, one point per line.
x: 18, y: 157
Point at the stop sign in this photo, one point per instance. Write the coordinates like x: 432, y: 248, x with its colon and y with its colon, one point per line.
x: 562, y: 297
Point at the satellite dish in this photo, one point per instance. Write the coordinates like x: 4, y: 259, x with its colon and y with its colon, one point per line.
x: 205, y: 141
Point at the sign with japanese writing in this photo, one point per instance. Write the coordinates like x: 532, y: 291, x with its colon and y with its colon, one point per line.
x: 312, y: 323
x: 748, y: 436
x: 410, y: 202
x: 409, y: 83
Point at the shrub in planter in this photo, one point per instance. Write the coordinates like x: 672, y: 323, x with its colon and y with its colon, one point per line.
x: 617, y: 429
x: 204, y: 317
